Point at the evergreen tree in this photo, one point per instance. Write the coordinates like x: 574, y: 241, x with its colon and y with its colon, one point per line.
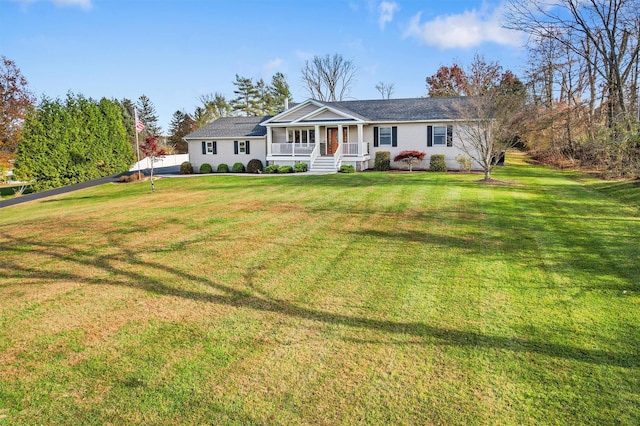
x: 213, y: 107
x: 181, y: 124
x: 147, y: 114
x: 247, y: 100
x: 265, y: 100
x: 72, y: 141
x: 279, y: 91
x: 126, y: 110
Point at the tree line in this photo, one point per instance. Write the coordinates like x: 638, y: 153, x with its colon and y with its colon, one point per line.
x: 95, y: 142
x: 576, y: 104
x: 582, y: 78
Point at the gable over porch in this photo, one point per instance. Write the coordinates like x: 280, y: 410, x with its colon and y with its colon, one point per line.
x: 317, y: 134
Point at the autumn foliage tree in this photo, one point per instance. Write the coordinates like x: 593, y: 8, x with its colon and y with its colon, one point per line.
x: 447, y: 81
x: 153, y: 150
x: 15, y: 100
x: 410, y: 157
x: 488, y: 117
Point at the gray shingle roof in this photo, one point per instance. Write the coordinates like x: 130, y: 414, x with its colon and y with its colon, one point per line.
x: 378, y: 110
x: 231, y: 127
x: 412, y: 109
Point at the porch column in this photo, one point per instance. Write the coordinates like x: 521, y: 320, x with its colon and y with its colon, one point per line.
x: 269, y: 140
x: 360, y: 141
x: 340, y: 140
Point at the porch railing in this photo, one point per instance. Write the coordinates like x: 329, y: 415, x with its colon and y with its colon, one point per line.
x: 337, y: 157
x: 307, y: 149
x: 314, y: 154
x: 355, y: 148
x: 292, y: 149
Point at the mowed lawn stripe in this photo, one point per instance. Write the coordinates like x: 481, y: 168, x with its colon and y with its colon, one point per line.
x: 372, y: 298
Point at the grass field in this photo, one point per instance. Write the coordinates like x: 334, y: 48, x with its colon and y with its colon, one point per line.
x: 368, y: 298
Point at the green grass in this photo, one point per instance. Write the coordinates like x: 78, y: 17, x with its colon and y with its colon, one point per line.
x: 367, y: 298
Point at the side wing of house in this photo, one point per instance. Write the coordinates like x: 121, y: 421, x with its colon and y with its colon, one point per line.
x: 216, y: 151
x: 433, y: 137
x: 228, y: 140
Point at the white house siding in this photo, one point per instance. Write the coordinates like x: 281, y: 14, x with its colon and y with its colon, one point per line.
x: 279, y: 134
x: 294, y: 115
x: 327, y: 115
x: 413, y: 136
x: 225, y: 153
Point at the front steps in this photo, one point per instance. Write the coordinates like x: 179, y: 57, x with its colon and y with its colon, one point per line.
x: 324, y: 165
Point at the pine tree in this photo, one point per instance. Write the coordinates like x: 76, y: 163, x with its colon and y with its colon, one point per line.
x: 279, y: 91
x: 147, y: 114
x: 247, y: 100
x: 181, y: 124
x: 214, y: 106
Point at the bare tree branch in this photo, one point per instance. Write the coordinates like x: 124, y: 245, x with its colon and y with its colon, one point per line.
x: 328, y: 78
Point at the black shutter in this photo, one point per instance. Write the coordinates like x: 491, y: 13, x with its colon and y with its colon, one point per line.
x: 429, y: 135
x: 449, y: 135
x: 204, y: 147
x: 394, y: 136
x: 247, y: 142
x: 235, y: 147
x: 375, y: 136
x: 215, y: 147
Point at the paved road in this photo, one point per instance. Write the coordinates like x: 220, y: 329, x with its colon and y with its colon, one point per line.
x: 57, y: 191
x: 70, y: 188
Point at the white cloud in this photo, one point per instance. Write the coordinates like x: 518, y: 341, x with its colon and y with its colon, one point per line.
x: 303, y: 55
x: 386, y: 10
x: 273, y: 66
x: 464, y: 30
x: 84, y: 4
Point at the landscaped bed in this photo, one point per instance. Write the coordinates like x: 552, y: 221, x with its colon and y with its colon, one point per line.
x: 366, y: 298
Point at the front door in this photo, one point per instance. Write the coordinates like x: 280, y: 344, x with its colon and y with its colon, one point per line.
x: 332, y: 140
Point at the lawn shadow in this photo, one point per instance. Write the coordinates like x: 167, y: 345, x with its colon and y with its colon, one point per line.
x: 250, y: 299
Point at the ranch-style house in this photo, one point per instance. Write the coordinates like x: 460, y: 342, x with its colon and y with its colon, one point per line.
x: 326, y: 135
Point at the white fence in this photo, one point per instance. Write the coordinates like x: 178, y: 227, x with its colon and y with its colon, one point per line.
x: 166, y: 161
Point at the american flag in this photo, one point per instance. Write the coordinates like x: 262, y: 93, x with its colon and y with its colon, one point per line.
x: 139, y: 124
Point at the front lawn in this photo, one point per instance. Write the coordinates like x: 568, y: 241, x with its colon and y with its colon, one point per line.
x: 367, y: 298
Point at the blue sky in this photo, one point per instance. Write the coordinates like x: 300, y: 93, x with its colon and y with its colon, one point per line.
x: 174, y: 51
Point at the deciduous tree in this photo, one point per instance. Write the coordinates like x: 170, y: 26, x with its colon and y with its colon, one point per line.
x: 328, y: 78
x: 447, y: 81
x: 487, y: 117
x: 604, y: 33
x: 386, y: 90
x: 153, y: 151
x: 15, y: 100
x: 410, y: 157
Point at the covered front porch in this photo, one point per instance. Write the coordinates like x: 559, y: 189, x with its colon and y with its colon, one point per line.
x: 322, y: 146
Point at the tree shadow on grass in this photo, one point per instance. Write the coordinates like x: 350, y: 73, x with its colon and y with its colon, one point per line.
x: 253, y: 300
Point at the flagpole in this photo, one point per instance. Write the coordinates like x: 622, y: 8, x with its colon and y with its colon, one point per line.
x: 135, y: 127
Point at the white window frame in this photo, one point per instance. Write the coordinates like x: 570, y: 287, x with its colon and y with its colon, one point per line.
x: 386, y: 139
x: 439, y: 139
x: 242, y: 147
x: 210, y: 147
x: 301, y: 135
